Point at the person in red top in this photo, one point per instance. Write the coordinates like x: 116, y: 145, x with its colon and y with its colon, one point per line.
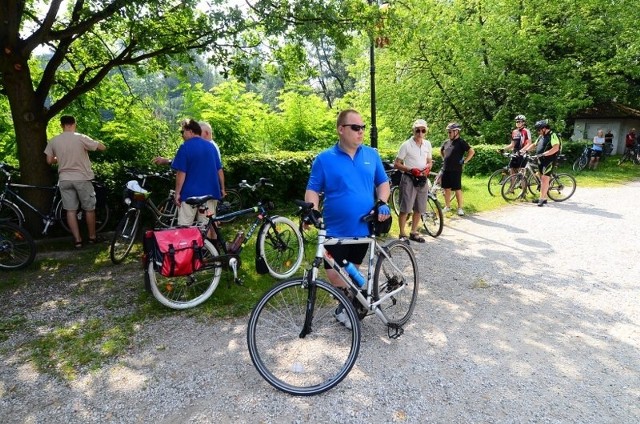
x: 520, y: 139
x: 630, y: 139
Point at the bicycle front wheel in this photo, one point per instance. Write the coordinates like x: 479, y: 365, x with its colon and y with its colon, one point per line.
x: 432, y: 219
x: 295, y: 341
x: 514, y: 188
x: 187, y: 291
x: 395, y: 199
x: 281, y: 246
x: 533, y: 184
x: 561, y: 187
x: 124, y: 236
x: 580, y: 163
x: 17, y: 248
x: 496, y: 180
x: 395, y: 282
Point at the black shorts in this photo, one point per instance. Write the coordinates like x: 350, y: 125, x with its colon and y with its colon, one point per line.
x: 353, y: 253
x: 596, y: 153
x: 452, y: 180
x: 517, y: 162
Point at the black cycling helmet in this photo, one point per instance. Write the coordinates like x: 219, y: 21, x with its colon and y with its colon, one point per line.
x: 543, y: 123
x: 521, y: 118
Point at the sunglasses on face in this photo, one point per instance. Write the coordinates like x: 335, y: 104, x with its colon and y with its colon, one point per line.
x: 420, y: 130
x: 355, y: 127
x: 519, y: 122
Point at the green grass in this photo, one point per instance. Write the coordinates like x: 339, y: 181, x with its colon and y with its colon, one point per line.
x: 85, y: 342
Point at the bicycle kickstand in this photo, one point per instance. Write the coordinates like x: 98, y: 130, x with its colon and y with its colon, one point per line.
x: 394, y: 331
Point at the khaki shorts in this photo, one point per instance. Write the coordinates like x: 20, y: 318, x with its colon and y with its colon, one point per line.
x: 77, y: 192
x: 187, y: 213
x: 412, y: 198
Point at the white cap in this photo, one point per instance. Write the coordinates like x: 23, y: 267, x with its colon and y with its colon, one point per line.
x: 420, y: 123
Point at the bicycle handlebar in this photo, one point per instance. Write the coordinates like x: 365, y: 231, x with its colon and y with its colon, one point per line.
x: 140, y: 174
x: 260, y: 183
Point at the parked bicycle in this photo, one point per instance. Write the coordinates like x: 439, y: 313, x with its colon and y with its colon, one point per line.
x: 583, y: 160
x: 561, y: 186
x: 432, y: 219
x: 164, y: 214
x: 631, y: 154
x: 294, y: 340
x: 17, y: 248
x: 279, y: 252
x: 232, y: 201
x: 10, y: 200
x: 498, y: 177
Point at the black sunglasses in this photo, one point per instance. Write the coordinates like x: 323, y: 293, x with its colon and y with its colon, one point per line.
x: 420, y: 130
x: 355, y: 127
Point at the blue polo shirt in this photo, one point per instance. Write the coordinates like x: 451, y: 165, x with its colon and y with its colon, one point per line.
x: 199, y: 159
x: 348, y: 186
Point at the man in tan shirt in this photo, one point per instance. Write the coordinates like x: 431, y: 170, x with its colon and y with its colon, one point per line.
x: 70, y: 151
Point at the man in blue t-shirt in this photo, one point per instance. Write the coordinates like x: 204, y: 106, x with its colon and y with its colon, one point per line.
x: 349, y: 174
x: 198, y: 172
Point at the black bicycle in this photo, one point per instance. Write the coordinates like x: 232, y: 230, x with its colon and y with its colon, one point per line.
x: 10, y: 200
x: 498, y: 177
x: 279, y: 252
x: 583, y: 160
x: 631, y: 154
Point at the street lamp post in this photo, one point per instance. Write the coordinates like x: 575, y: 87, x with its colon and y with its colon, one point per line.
x: 372, y: 73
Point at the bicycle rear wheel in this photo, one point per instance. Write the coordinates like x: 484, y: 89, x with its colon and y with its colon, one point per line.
x: 395, y: 199
x: 11, y: 212
x: 561, y: 187
x: 432, y: 219
x: 17, y: 248
x: 292, y: 360
x: 533, y: 184
x: 399, y: 271
x: 281, y: 246
x: 102, y: 217
x: 232, y: 202
x: 580, y: 163
x: 187, y: 291
x: 124, y: 236
x: 514, y: 188
x: 168, y: 212
x: 496, y: 180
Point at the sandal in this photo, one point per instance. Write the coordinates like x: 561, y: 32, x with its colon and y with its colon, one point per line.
x: 77, y: 244
x: 416, y: 237
x: 94, y: 240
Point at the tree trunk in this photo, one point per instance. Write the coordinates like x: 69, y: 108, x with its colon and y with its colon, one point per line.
x: 30, y: 121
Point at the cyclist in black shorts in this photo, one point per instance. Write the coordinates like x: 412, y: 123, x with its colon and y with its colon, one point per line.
x: 547, y: 149
x: 520, y: 139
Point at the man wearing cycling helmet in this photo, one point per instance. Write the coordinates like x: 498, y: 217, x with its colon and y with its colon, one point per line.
x: 453, y: 155
x: 520, y: 139
x: 547, y: 148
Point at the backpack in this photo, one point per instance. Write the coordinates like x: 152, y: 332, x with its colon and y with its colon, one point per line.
x: 174, y: 251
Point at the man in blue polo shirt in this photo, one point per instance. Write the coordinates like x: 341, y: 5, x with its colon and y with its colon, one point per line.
x: 349, y: 174
x: 198, y: 172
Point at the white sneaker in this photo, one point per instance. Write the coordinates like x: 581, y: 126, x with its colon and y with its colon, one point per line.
x: 341, y: 316
x: 460, y: 212
x: 446, y: 209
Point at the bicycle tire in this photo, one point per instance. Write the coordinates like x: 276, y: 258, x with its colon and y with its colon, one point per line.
x: 17, y: 248
x: 389, y: 275
x: 395, y: 199
x: 102, y: 217
x: 9, y: 211
x: 302, y: 365
x: 280, y: 245
x: 561, y: 187
x: 625, y: 157
x: 232, y: 202
x: 124, y: 236
x: 167, y: 214
x: 533, y: 185
x: 186, y: 291
x: 432, y: 219
x: 580, y: 163
x: 514, y: 188
x: 496, y: 180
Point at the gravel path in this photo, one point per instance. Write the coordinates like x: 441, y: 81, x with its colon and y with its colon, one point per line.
x: 525, y: 314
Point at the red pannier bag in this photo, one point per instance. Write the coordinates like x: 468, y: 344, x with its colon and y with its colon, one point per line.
x: 175, y: 251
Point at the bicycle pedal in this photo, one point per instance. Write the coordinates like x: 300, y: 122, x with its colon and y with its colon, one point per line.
x: 395, y: 331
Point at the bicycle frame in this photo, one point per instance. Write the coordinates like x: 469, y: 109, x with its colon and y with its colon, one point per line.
x: 372, y: 305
